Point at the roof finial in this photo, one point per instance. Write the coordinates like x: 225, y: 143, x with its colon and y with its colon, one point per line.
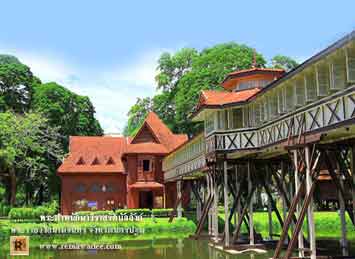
x: 253, y: 65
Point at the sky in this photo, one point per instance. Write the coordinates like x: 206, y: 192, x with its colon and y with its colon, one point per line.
x: 108, y: 49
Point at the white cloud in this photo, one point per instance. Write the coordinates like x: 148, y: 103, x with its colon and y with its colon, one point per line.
x: 112, y: 91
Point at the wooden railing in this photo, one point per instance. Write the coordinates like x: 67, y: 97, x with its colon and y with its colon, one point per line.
x: 322, y: 115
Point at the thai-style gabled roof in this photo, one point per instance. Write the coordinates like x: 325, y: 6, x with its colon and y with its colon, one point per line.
x: 104, y: 154
x: 162, y: 139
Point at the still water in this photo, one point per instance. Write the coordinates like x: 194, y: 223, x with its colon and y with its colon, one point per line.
x: 156, y: 249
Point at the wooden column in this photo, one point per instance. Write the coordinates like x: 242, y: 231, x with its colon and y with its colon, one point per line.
x: 179, y: 207
x: 199, y: 205
x: 215, y: 208
x: 343, y: 240
x: 237, y: 185
x: 311, y: 227
x: 269, y: 204
x: 251, y: 208
x: 298, y: 207
x: 226, y: 207
x: 209, y: 218
x: 353, y: 176
x: 283, y: 196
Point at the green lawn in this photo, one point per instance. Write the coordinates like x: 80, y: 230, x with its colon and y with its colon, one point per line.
x: 327, y: 224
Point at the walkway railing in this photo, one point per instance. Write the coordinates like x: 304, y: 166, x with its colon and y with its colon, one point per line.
x: 321, y: 116
x: 186, y: 159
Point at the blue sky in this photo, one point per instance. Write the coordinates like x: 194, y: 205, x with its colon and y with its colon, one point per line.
x: 108, y: 49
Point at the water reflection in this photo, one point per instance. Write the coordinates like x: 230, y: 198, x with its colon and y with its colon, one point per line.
x: 156, y: 249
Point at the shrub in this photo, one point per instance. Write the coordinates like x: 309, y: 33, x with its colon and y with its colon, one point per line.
x: 4, y: 210
x: 34, y: 213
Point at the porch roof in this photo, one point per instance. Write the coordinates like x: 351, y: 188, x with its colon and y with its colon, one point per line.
x: 146, y: 185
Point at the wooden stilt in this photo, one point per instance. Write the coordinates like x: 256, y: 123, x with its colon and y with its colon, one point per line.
x: 243, y: 213
x: 226, y: 209
x: 251, y: 207
x: 179, y: 207
x: 215, y: 208
x: 209, y: 194
x: 298, y: 207
x: 343, y: 240
x: 237, y: 211
x: 269, y: 206
x: 309, y: 183
x: 284, y: 194
x: 352, y: 165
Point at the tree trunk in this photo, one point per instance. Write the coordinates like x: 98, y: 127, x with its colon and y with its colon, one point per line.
x: 13, y: 186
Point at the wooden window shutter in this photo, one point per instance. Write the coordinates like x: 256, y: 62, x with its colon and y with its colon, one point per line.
x: 310, y: 84
x: 322, y: 77
x: 152, y: 165
x: 350, y: 64
x: 299, y: 92
x: 140, y: 165
x: 338, y: 72
x: 289, y: 97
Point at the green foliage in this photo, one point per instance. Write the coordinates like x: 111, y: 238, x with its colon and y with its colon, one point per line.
x: 72, y: 113
x: 284, y: 62
x: 33, y: 213
x: 182, y: 76
x: 136, y: 115
x: 16, y: 85
x: 4, y: 210
x: 28, y: 148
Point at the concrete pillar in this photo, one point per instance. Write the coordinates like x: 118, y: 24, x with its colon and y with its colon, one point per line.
x: 298, y: 208
x: 251, y: 207
x: 179, y: 207
x: 226, y: 206
x: 310, y: 216
x: 343, y: 240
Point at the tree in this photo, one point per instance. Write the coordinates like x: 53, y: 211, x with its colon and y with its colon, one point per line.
x: 72, y: 113
x: 16, y: 84
x: 27, y: 144
x: 184, y: 74
x: 284, y: 62
x: 136, y: 115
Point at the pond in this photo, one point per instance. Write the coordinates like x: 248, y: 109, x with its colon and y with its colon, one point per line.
x: 155, y: 249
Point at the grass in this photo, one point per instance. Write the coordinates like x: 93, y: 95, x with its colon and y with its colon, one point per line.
x: 327, y: 225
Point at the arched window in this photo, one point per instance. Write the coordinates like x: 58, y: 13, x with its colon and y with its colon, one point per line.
x: 80, y: 187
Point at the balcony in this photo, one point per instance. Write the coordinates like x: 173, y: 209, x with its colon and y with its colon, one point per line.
x: 320, y: 116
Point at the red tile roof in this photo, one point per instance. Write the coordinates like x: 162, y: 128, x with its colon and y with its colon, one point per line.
x: 94, y: 154
x: 104, y: 154
x: 212, y: 98
x: 255, y: 69
x: 167, y: 141
x: 143, y: 185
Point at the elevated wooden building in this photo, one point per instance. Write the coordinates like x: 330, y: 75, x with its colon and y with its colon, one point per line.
x: 293, y: 132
